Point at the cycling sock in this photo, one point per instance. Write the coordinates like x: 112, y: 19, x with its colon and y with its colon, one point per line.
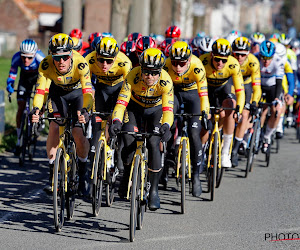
x: 236, y: 145
x: 226, y: 143
x: 83, y: 159
x: 268, y: 133
x: 18, y: 135
x: 280, y: 125
x: 51, y: 161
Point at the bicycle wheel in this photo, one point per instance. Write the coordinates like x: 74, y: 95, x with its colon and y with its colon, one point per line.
x: 59, y: 190
x: 23, y: 139
x: 182, y: 175
x: 134, y: 199
x: 277, y: 145
x: 250, y: 158
x: 268, y: 154
x: 72, y: 183
x: 212, y: 172
x: 219, y: 169
x: 98, y: 178
x: 110, y: 189
x: 142, y: 204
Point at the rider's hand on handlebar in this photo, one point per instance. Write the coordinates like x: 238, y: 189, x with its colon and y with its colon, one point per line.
x: 165, y: 132
x: 35, y: 115
x: 253, y: 108
x: 10, y: 88
x: 83, y: 116
x: 237, y: 116
x: 204, y: 120
x: 115, y: 128
x: 289, y: 99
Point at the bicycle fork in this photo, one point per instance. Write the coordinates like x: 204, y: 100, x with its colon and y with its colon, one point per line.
x: 188, y: 158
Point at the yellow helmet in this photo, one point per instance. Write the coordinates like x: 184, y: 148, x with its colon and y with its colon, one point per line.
x: 77, y: 43
x: 180, y: 51
x: 107, y: 47
x: 152, y: 58
x: 60, y: 43
x: 273, y: 40
x: 241, y: 43
x: 221, y: 47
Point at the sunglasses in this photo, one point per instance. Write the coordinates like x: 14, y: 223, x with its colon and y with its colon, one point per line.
x: 102, y: 60
x: 180, y: 63
x: 239, y: 54
x: 217, y: 59
x: 59, y: 57
x: 266, y: 58
x: 28, y: 57
x: 150, y: 72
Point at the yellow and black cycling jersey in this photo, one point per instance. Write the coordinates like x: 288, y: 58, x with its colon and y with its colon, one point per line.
x: 251, y: 73
x: 287, y: 70
x: 77, y: 77
x: 116, y: 74
x: 134, y: 89
x: 217, y: 78
x: 193, y: 78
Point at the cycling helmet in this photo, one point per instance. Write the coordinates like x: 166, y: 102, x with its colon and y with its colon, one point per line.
x: 107, y: 34
x: 275, y: 35
x: 95, y: 42
x: 172, y: 32
x: 280, y: 50
x: 145, y: 42
x: 76, y: 33
x: 273, y: 40
x: 134, y: 36
x: 267, y: 49
x: 159, y: 39
x: 241, y: 43
x: 92, y: 36
x: 231, y: 37
x: 165, y: 43
x: 108, y: 47
x: 60, y: 43
x: 294, y: 43
x: 258, y: 37
x: 77, y: 43
x: 205, y: 44
x: 127, y: 47
x: 28, y: 46
x: 236, y: 32
x: 284, y: 39
x: 180, y: 51
x: 167, y: 50
x: 152, y: 58
x: 201, y: 34
x: 221, y: 47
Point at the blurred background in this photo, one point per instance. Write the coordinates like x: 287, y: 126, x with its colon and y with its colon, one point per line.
x: 39, y: 20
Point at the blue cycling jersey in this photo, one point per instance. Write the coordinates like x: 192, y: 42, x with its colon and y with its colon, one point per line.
x: 16, y: 62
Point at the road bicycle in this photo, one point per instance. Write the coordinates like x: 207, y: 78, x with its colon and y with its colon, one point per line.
x: 139, y: 184
x: 27, y: 138
x: 65, y: 178
x: 104, y: 171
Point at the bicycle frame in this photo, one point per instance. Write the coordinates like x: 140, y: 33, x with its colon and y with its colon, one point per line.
x: 215, y: 130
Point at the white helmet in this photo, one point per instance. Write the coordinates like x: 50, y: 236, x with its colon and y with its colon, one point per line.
x: 280, y: 51
x: 231, y: 37
x: 28, y: 46
x: 206, y: 43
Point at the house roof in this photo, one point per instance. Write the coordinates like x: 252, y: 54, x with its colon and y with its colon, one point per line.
x: 39, y: 7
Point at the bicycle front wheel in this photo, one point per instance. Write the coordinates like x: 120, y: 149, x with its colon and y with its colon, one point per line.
x: 98, y: 178
x: 134, y: 199
x: 59, y: 190
x: 250, y: 158
x: 72, y: 183
x: 182, y: 173
x: 23, y: 139
x: 219, y: 169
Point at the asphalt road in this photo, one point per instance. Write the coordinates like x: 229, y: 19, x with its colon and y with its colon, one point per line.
x: 246, y: 213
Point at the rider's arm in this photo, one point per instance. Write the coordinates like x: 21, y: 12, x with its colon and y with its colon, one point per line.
x: 238, y: 84
x: 279, y: 76
x: 202, y: 88
x: 168, y: 102
x: 122, y: 102
x: 290, y: 77
x: 86, y: 84
x: 15, y: 63
x: 256, y: 80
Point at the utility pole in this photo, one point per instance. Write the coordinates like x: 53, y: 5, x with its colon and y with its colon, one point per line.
x: 72, y: 15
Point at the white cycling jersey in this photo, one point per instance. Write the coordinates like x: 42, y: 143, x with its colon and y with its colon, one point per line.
x: 274, y: 71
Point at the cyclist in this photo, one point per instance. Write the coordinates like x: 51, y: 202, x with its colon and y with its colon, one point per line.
x: 189, y: 79
x: 71, y: 85
x: 133, y: 37
x: 110, y: 68
x: 78, y: 34
x: 127, y: 47
x: 205, y: 45
x: 256, y: 39
x: 147, y: 93
x: 272, y: 71
x: 220, y: 66
x: 251, y: 73
x: 78, y: 45
x: 91, y: 39
x: 28, y: 58
x: 173, y: 31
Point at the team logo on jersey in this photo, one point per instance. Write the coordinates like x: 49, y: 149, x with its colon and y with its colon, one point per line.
x: 186, y: 79
x: 197, y: 70
x: 151, y: 89
x: 92, y: 60
x: 220, y: 73
x: 163, y: 83
x: 81, y: 66
x: 45, y: 65
x: 121, y: 64
x: 59, y: 78
x: 69, y: 78
x: 232, y: 66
